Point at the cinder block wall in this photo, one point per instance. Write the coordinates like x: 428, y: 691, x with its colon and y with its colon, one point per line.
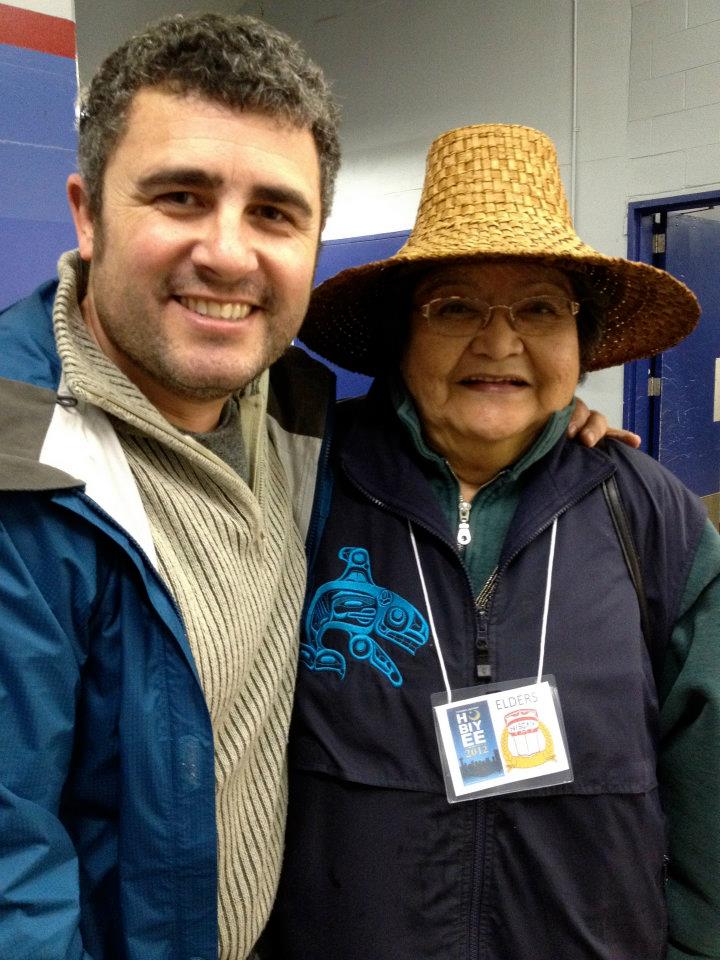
x: 674, y: 108
x: 37, y: 140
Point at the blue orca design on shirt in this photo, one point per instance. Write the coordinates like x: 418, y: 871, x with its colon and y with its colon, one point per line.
x: 366, y: 613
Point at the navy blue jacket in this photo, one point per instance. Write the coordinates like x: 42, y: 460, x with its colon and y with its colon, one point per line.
x: 378, y: 864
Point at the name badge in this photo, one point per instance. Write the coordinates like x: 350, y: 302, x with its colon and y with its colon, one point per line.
x: 501, y: 738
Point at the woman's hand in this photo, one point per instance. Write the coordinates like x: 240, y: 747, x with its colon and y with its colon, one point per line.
x: 589, y: 426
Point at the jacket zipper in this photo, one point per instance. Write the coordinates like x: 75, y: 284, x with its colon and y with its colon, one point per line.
x: 463, y: 534
x: 483, y: 670
x: 418, y: 523
x: 482, y: 810
x: 480, y: 604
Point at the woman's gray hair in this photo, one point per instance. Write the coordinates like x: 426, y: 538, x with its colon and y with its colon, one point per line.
x: 237, y: 61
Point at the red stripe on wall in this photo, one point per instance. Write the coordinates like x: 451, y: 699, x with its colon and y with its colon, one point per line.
x: 37, y: 31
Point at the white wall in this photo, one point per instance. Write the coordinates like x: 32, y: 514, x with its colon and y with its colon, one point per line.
x: 102, y: 25
x: 603, y: 28
x: 406, y: 70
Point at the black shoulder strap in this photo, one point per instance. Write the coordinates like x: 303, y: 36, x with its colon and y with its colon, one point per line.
x: 622, y: 528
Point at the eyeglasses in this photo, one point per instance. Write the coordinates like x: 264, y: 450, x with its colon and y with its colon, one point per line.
x: 466, y: 316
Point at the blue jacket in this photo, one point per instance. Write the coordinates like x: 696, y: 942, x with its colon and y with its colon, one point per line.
x: 378, y: 864
x: 107, y: 807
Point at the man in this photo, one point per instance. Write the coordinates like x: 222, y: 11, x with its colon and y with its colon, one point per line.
x: 152, y: 574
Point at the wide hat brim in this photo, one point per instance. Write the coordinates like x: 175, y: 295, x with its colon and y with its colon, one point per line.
x: 494, y: 192
x: 649, y: 310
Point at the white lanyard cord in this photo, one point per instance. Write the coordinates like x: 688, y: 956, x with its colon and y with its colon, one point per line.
x: 430, y: 615
x: 543, y: 629
x: 431, y: 620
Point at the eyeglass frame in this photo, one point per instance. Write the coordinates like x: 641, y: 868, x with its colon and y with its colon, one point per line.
x: 574, y: 310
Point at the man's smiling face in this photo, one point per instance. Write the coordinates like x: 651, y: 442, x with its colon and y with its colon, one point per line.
x: 203, y: 256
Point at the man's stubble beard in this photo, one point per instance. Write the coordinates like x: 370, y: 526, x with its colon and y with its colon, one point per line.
x: 153, y: 354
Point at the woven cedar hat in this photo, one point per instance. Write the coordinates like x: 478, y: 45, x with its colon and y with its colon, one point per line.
x: 494, y: 191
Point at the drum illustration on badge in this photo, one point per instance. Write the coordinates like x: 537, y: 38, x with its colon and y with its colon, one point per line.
x: 526, y: 741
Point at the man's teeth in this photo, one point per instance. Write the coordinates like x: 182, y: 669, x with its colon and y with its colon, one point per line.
x: 216, y: 309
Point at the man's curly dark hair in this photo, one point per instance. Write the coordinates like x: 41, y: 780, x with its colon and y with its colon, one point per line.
x: 237, y: 61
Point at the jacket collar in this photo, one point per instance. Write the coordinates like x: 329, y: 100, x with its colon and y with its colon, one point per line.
x: 27, y: 413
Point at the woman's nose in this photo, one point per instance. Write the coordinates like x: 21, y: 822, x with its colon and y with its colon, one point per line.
x: 497, y: 338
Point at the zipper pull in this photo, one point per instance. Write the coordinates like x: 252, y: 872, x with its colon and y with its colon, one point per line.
x: 463, y: 535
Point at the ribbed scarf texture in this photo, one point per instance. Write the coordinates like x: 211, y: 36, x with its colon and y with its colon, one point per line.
x: 234, y: 562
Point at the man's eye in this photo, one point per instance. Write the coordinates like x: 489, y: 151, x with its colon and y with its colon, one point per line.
x: 268, y: 212
x: 179, y: 198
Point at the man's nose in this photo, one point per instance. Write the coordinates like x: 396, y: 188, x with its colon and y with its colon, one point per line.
x: 227, y: 245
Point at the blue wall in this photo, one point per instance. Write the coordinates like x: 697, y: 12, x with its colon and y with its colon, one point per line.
x: 37, y: 152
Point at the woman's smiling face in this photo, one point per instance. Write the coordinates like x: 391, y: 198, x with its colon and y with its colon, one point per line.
x: 491, y: 393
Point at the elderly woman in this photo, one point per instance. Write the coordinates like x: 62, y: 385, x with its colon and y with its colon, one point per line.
x: 507, y: 726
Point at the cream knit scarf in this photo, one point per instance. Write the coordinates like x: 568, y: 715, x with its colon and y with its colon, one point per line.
x: 233, y: 560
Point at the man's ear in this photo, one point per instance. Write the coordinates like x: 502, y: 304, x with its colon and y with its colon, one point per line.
x: 80, y: 210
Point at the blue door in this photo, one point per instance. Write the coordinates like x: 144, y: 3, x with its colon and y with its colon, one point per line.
x: 680, y: 412
x: 689, y: 436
